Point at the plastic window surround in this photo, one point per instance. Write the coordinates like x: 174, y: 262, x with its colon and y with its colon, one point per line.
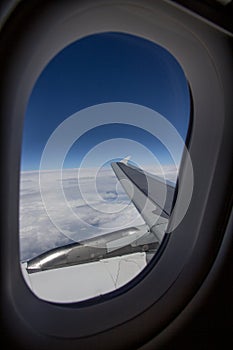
x: 174, y: 30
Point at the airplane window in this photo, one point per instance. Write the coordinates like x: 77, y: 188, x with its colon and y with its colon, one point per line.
x: 104, y: 134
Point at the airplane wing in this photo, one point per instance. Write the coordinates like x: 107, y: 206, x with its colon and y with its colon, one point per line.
x: 105, y: 255
x: 152, y: 196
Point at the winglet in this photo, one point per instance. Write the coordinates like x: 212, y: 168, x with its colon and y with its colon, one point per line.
x: 125, y: 160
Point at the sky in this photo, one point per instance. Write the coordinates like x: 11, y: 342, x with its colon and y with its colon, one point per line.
x: 102, y: 68
x: 97, y: 78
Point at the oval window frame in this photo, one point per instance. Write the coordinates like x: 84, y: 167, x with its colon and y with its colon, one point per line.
x: 85, y: 316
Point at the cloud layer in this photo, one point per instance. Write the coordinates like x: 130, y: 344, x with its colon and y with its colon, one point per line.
x: 97, y: 205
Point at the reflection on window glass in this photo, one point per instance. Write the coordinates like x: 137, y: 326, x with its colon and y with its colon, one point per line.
x: 103, y: 139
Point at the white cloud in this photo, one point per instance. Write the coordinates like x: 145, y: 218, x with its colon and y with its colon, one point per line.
x: 97, y: 207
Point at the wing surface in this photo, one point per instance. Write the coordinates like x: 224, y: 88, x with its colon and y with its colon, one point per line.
x: 152, y: 196
x: 112, y: 259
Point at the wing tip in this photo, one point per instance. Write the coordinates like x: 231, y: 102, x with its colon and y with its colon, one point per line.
x: 125, y: 160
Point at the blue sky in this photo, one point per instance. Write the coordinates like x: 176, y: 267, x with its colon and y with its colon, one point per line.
x: 109, y: 67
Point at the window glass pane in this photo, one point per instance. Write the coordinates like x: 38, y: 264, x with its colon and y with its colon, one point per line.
x: 103, y: 139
